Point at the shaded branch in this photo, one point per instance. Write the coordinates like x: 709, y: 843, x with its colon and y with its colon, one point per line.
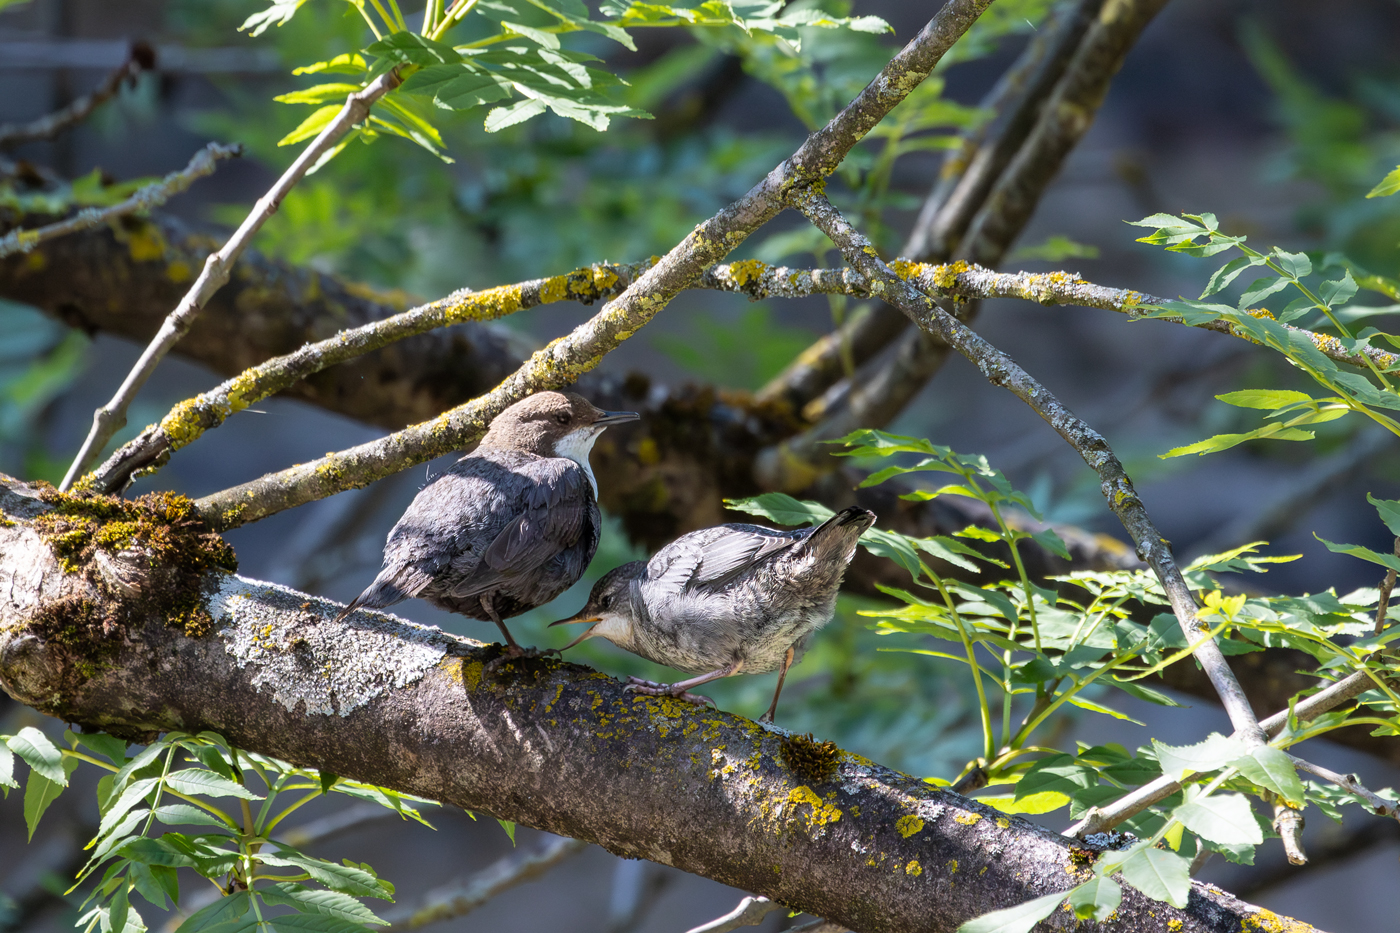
x: 1351, y: 784
x: 750, y: 912
x: 141, y: 57
x: 111, y: 417
x: 460, y: 899
x: 382, y: 700
x: 153, y: 195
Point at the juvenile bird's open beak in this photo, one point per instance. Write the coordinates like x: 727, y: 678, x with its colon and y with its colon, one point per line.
x: 587, y: 633
x: 616, y: 417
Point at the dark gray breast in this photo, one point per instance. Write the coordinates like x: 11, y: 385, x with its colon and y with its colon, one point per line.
x: 511, y: 525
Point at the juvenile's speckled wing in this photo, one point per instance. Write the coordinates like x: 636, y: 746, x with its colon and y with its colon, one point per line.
x: 709, y: 558
x: 552, y: 513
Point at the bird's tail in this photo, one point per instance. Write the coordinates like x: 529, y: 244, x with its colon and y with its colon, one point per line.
x: 380, y: 594
x: 839, y: 533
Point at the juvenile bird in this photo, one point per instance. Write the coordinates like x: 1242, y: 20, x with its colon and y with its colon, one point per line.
x: 724, y: 600
x: 508, y: 527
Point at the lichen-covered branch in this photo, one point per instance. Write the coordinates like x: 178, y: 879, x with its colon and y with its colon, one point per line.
x: 141, y: 58
x: 564, y: 360
x: 153, y: 195
x: 188, y: 420
x: 111, y: 417
x: 551, y: 745
x: 1001, y: 370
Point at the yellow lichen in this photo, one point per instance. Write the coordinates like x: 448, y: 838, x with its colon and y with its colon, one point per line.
x: 555, y: 288
x: 1003, y: 823
x: 746, y: 271
x: 822, y: 811
x: 913, y: 868
x: 908, y: 825
x: 968, y: 819
x: 1174, y: 925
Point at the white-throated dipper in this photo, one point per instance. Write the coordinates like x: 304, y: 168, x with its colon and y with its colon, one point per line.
x: 725, y: 600
x: 509, y: 526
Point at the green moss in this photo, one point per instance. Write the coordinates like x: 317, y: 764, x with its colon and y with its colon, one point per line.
x: 160, y: 529
x: 813, y: 760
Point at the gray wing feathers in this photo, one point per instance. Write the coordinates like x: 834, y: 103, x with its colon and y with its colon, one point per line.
x: 712, y: 557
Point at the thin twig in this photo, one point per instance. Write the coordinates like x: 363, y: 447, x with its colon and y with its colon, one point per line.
x: 1000, y: 369
x: 749, y: 913
x: 1351, y: 784
x: 566, y: 359
x: 111, y: 418
x: 462, y: 898
x: 140, y: 58
x: 1383, y: 598
x: 1101, y: 819
x: 153, y: 195
x: 1288, y: 823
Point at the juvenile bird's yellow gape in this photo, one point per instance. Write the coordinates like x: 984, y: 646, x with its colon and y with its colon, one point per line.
x: 507, y: 528
x: 725, y: 600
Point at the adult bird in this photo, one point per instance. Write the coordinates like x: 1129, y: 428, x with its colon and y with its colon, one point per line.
x: 509, y: 526
x: 725, y: 600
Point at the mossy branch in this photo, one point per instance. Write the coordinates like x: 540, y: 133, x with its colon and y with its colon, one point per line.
x: 550, y: 745
x: 153, y: 195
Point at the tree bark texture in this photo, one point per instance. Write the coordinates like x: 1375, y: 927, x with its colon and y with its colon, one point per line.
x: 548, y: 744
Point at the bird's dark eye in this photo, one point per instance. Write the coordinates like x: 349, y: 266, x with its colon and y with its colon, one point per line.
x: 562, y: 418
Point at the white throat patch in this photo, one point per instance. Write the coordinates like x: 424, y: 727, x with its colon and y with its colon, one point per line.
x: 576, y: 446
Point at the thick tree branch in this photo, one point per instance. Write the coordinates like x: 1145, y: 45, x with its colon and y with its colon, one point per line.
x: 153, y: 195
x: 402, y: 706
x: 111, y: 417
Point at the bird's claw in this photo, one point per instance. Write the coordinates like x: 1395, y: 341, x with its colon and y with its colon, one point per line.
x: 653, y: 689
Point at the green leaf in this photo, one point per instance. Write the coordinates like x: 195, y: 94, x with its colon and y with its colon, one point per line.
x: 346, y: 879
x: 278, y: 14
x: 1050, y: 540
x: 409, y: 48
x: 39, y: 792
x: 144, y: 879
x: 538, y: 36
x: 1018, y: 919
x: 314, y: 923
x: 318, y: 94
x: 1215, y: 752
x: 1228, y: 273
x: 1222, y: 818
x: 1096, y: 898
x: 1389, y: 510
x: 501, y: 117
x: 312, y: 125
x: 7, y: 769
x: 1338, y: 292
x: 1272, y: 769
x: 472, y: 90
x: 1267, y: 399
x: 1297, y: 265
x: 509, y: 827
x: 182, y: 814
x: 349, y: 63
x: 223, y: 911
x: 207, y: 784
x: 327, y: 903
x: 109, y: 746
x: 1389, y: 561
x: 122, y: 917
x: 1162, y: 876
x: 39, y: 753
x: 1093, y: 707
x: 1043, y: 802
x: 130, y: 796
x: 156, y: 852
x: 1261, y: 288
x: 1387, y: 185
x: 1225, y: 441
x: 782, y: 508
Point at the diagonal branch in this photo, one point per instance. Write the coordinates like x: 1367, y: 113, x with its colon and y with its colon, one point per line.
x: 547, y: 744
x: 111, y: 418
x: 565, y: 359
x: 141, y: 58
x: 153, y: 195
x: 1000, y: 369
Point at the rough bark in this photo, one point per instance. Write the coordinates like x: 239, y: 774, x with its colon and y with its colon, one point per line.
x: 551, y: 745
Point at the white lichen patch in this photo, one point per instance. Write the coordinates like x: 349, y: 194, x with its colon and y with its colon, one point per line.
x: 301, y: 658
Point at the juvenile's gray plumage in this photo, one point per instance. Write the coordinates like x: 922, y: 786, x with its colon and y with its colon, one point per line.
x: 724, y: 600
x: 508, y: 527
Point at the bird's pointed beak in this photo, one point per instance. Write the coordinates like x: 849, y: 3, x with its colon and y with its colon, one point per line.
x: 580, y: 616
x: 615, y: 417
x: 587, y: 634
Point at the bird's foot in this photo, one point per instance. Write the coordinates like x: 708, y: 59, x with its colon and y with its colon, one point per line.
x: 515, y: 652
x: 653, y: 689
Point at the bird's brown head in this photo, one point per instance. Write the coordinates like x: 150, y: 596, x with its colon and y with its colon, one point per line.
x: 552, y: 424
